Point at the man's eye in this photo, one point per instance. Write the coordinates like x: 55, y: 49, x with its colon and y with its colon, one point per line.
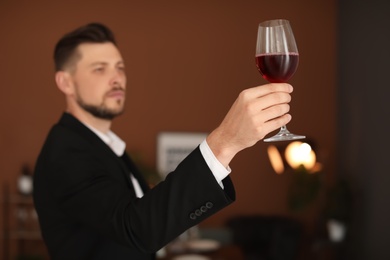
x: 99, y: 69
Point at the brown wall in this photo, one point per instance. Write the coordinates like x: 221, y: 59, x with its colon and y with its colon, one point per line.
x: 186, y: 62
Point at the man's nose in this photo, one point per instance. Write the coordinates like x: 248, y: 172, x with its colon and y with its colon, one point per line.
x: 118, y: 78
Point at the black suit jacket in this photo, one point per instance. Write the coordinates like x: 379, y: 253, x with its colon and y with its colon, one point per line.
x: 87, y: 206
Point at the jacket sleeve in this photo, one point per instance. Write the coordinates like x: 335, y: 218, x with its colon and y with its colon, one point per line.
x: 87, y: 194
x: 187, y: 196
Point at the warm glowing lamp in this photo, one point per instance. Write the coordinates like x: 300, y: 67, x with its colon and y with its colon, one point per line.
x: 276, y: 159
x: 296, y: 154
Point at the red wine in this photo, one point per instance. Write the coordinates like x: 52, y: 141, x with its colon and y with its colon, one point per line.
x: 277, y: 67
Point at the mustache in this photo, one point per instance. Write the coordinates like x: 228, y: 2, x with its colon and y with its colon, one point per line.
x: 116, y: 88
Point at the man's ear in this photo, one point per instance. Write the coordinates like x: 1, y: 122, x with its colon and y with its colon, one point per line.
x: 64, y: 82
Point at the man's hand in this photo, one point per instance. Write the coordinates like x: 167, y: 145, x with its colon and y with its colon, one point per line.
x: 255, y: 113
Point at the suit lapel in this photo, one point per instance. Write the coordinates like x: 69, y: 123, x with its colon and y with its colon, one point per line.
x: 133, y: 169
x: 69, y: 121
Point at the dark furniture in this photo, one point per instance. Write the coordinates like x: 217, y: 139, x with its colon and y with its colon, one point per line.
x: 266, y: 237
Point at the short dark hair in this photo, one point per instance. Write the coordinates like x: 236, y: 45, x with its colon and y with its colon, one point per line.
x: 65, y: 49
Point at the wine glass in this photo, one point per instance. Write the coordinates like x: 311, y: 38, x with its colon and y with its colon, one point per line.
x: 277, y: 60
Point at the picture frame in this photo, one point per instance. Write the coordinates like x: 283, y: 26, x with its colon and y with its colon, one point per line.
x: 173, y: 147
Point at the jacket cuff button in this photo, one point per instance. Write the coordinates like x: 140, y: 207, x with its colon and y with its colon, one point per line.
x: 198, y: 212
x: 209, y: 205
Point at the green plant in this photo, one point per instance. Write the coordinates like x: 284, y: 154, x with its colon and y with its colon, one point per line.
x: 304, y: 188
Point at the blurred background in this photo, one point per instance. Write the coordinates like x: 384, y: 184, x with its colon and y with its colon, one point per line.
x: 186, y: 62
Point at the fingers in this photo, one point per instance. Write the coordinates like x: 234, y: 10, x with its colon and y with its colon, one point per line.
x: 275, y: 87
x: 275, y: 104
x: 273, y: 99
x: 266, y: 89
x: 255, y: 113
x: 273, y: 112
x: 276, y: 123
x: 262, y: 97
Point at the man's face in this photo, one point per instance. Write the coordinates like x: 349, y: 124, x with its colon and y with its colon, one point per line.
x: 99, y: 80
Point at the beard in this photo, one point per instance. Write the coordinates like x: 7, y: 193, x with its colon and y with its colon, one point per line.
x: 100, y: 111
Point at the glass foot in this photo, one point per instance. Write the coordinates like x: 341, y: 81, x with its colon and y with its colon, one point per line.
x: 284, y: 135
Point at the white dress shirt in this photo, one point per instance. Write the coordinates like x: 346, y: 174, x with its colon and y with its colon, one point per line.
x: 118, y: 146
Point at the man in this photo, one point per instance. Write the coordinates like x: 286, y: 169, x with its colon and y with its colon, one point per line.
x: 91, y: 200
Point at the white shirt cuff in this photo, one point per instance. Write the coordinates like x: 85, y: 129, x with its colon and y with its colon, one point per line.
x: 219, y: 171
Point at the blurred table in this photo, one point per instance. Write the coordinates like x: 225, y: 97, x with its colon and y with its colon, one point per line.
x: 225, y: 252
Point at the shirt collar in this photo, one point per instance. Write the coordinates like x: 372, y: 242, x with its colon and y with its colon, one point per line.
x: 116, y: 144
